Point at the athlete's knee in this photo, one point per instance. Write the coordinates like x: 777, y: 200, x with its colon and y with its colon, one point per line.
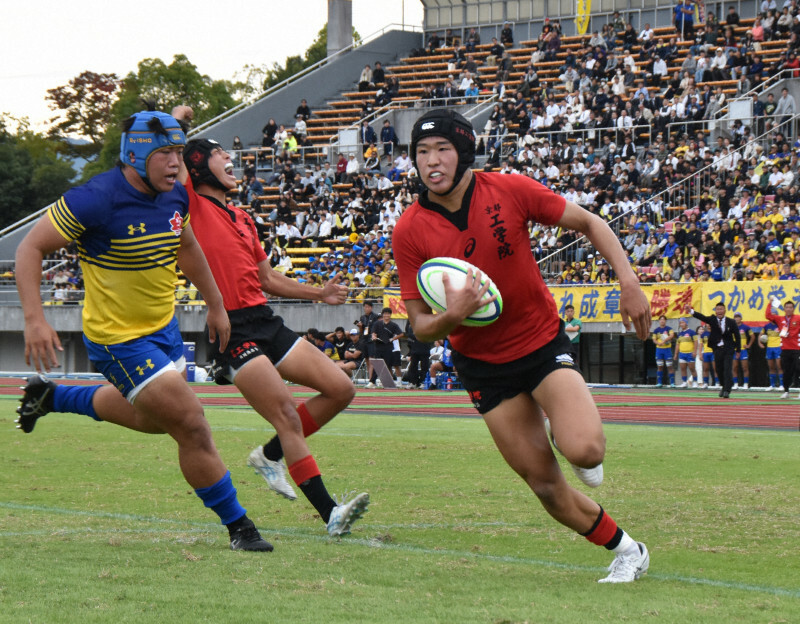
x: 341, y: 391
x: 285, y: 419
x: 589, y: 454
x: 193, y: 431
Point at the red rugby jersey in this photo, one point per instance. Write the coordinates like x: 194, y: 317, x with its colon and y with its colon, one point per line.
x: 495, y: 238
x: 232, y: 248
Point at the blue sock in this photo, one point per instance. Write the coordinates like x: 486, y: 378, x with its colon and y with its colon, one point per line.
x: 705, y: 380
x: 772, y: 380
x: 746, y: 381
x: 221, y: 498
x: 660, y: 378
x: 672, y: 379
x: 780, y: 377
x: 683, y: 378
x: 75, y: 400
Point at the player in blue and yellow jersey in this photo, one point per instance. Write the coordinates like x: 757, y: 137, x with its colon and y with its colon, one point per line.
x: 131, y: 227
x: 685, y: 348
x: 662, y: 336
x: 707, y: 355
x: 770, y: 339
x: 741, y: 363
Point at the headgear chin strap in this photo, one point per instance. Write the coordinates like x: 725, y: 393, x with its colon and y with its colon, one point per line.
x: 148, y: 132
x: 196, y: 156
x: 455, y: 128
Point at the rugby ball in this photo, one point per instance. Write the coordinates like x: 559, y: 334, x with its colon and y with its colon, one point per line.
x: 429, y: 283
x: 763, y: 338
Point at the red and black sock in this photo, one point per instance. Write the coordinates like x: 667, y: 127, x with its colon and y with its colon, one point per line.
x: 306, y: 475
x: 605, y: 532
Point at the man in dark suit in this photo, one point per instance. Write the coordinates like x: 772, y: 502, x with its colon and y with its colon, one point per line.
x: 725, y: 341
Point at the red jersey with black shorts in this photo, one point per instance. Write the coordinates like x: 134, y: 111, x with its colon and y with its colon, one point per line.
x: 491, y: 232
x: 230, y: 242
x: 515, y: 353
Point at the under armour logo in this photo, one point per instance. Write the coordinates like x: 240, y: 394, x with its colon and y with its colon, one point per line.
x: 132, y: 229
x: 147, y: 364
x: 429, y: 125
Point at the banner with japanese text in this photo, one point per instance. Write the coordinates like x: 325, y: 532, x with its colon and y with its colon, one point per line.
x: 583, y: 10
x: 600, y: 304
x: 391, y: 299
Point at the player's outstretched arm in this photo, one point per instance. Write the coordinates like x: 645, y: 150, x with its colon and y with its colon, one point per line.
x: 275, y: 283
x: 41, y: 340
x: 634, y: 307
x: 193, y: 263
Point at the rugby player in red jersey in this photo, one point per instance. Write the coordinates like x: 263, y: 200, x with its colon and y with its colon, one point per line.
x: 521, y: 367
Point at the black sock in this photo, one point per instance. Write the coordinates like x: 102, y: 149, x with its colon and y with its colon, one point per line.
x: 314, y: 490
x: 273, y: 450
x: 238, y: 524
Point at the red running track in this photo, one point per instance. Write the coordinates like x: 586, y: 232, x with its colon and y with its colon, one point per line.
x: 760, y: 410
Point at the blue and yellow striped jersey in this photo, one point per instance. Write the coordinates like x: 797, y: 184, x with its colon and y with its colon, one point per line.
x: 686, y: 341
x: 127, y: 245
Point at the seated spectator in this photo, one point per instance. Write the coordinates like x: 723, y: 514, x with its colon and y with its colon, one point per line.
x: 378, y: 75
x: 495, y: 52
x: 473, y: 40
x: 365, y: 79
x: 352, y: 168
x: 507, y: 35
x: 402, y: 164
x: 303, y: 110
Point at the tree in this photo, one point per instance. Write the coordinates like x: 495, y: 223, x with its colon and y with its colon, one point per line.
x: 84, y: 107
x: 32, y: 173
x: 166, y: 86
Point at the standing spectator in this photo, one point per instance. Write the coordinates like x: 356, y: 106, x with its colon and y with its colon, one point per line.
x: 789, y: 331
x: 388, y: 139
x: 785, y: 108
x: 685, y: 349
x: 663, y: 335
x: 341, y: 168
x: 683, y: 19
x: 366, y: 135
x: 418, y: 358
x: 364, y: 323
x: 573, y: 327
x: 741, y: 364
x: 383, y: 331
x: 725, y: 342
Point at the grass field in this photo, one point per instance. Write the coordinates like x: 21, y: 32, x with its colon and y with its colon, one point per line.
x: 97, y: 525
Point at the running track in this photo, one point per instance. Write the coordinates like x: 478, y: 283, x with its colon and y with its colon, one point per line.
x: 747, y: 409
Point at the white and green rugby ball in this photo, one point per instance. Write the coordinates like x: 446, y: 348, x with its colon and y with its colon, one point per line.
x: 429, y: 283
